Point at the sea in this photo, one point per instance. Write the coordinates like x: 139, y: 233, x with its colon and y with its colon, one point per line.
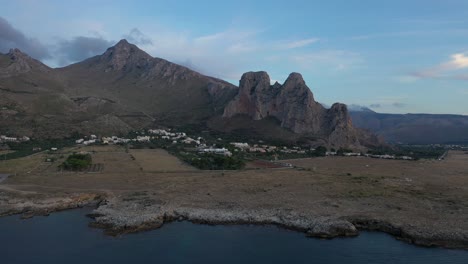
x: 65, y: 237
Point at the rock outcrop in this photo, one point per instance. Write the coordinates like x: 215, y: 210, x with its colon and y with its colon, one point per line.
x: 293, y: 104
x: 16, y: 62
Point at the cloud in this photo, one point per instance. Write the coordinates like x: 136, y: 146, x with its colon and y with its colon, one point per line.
x: 399, y: 105
x: 80, y: 48
x: 375, y: 105
x: 135, y: 36
x: 223, y: 54
x: 13, y: 38
x: 297, y: 43
x: 449, y: 69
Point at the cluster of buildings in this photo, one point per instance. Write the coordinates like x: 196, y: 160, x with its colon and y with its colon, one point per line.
x: 357, y: 154
x: 387, y: 156
x: 92, y: 140
x: 218, y: 151
x: 201, y: 147
x: 6, y: 139
x: 267, y: 148
x: 175, y: 137
x: 347, y: 154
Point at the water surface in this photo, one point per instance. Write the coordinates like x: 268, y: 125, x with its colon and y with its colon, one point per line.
x: 66, y: 238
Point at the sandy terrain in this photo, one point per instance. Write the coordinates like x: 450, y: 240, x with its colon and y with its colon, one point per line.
x: 423, y: 202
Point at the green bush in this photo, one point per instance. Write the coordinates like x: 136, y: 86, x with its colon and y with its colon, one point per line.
x: 215, y: 162
x: 76, y: 162
x: 320, y: 151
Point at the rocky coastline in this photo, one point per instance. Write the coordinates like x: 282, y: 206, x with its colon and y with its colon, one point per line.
x: 117, y: 217
x: 124, y: 214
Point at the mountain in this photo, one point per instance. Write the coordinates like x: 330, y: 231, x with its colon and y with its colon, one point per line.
x: 150, y: 86
x: 294, y: 107
x: 118, y: 91
x: 125, y: 89
x: 415, y: 128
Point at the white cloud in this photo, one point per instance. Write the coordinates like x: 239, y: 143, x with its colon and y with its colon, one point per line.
x: 449, y: 69
x: 460, y: 60
x: 297, y: 43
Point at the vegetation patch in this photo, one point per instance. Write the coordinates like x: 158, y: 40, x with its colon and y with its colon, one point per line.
x: 77, y: 162
x: 23, y: 149
x: 214, y: 162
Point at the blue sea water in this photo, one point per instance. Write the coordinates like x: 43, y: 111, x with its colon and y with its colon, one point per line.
x: 66, y: 238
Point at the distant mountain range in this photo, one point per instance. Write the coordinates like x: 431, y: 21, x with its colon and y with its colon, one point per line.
x: 413, y: 128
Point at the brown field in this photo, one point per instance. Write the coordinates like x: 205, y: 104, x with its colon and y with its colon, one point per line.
x: 158, y: 160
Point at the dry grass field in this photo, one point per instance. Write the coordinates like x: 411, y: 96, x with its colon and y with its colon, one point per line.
x: 159, y: 160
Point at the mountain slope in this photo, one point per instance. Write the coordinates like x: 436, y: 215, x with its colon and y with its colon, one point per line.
x: 120, y: 90
x: 158, y: 88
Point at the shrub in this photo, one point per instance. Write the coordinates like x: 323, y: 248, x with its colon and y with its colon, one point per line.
x: 76, y: 162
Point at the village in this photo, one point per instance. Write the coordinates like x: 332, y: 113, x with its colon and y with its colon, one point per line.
x: 6, y: 139
x: 167, y: 137
x: 181, y: 142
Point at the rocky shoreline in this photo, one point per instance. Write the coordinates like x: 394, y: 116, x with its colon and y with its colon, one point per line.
x: 123, y: 214
x: 117, y: 217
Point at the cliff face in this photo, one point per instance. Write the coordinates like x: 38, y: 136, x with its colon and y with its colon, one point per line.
x: 294, y: 106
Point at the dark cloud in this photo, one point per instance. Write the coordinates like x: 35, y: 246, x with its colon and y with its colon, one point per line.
x: 80, y: 48
x: 138, y: 38
x: 399, y: 105
x: 13, y: 38
x: 375, y: 105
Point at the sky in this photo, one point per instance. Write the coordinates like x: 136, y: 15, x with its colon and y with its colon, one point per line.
x: 394, y: 56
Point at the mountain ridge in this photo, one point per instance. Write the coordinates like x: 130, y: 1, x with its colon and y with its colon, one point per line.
x: 125, y: 88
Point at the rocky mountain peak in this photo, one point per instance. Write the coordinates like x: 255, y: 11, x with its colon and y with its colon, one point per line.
x: 276, y: 85
x: 21, y: 63
x: 294, y: 106
x: 16, y: 54
x: 252, y: 83
x: 123, y: 53
x: 122, y: 43
x: 295, y: 78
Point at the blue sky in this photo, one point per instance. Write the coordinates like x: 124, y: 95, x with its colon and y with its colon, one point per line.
x: 394, y: 56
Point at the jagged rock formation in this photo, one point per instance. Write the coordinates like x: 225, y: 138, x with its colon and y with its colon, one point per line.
x: 293, y: 104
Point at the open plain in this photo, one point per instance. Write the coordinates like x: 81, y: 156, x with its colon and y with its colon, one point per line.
x: 423, y: 202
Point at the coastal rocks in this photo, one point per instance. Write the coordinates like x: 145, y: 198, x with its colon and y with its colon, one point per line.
x: 293, y: 104
x: 423, y: 236
x: 32, y: 205
x: 332, y: 228
x: 126, y: 215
